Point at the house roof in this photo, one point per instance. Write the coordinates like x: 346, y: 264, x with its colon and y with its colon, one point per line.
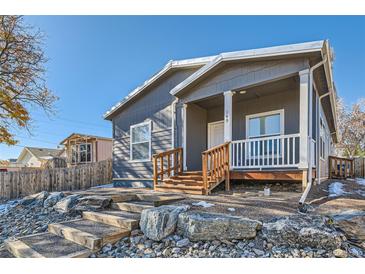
x: 84, y: 136
x: 40, y: 152
x: 292, y: 49
x: 172, y: 64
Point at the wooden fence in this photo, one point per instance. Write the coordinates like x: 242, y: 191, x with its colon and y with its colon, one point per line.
x: 341, y: 168
x: 16, y: 184
x: 360, y: 167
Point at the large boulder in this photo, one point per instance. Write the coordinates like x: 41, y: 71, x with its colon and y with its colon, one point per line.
x: 53, y: 198
x: 67, y: 203
x: 159, y: 222
x: 302, y: 231
x: 198, y: 226
x: 37, y: 199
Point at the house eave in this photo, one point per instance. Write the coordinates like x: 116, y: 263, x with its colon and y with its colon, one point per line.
x: 186, y: 63
x: 293, y: 49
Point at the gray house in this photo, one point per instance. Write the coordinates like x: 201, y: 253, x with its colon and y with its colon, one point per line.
x: 261, y: 114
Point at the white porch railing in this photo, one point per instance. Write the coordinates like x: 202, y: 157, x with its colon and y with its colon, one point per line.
x: 266, y: 152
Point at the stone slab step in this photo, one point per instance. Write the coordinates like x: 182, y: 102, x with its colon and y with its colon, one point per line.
x: 45, y: 245
x: 4, y: 253
x: 120, y: 219
x: 90, y: 234
x: 162, y: 188
x: 135, y: 206
x: 158, y: 199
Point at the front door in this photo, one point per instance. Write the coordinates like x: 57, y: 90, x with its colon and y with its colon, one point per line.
x: 215, y: 134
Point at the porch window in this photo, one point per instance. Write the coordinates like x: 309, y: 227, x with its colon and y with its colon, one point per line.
x: 140, y: 145
x: 265, y: 124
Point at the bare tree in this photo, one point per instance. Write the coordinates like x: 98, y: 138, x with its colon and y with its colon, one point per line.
x: 351, y: 128
x: 22, y: 71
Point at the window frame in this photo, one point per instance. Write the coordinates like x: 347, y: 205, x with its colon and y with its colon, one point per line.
x: 149, y: 123
x: 281, y: 113
x: 78, y: 153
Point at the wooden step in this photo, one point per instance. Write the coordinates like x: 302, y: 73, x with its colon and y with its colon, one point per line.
x: 93, y: 235
x: 187, y: 177
x: 45, y: 245
x: 183, y: 182
x: 181, y: 186
x: 135, y: 206
x: 121, y: 219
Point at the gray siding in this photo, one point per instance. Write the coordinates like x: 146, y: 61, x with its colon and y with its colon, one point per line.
x: 154, y: 105
x: 241, y: 75
x: 196, y: 137
x: 287, y: 100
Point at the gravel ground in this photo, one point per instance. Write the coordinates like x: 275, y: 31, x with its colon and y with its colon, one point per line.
x: 174, y: 246
x: 25, y: 220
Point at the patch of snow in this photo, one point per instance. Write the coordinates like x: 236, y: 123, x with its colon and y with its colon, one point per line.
x: 104, y: 186
x: 231, y: 209
x: 5, y: 207
x: 336, y: 189
x: 203, y: 204
x: 361, y: 192
x: 360, y: 181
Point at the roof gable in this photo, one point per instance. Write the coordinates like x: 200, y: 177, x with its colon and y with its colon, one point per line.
x: 285, y: 50
x: 177, y: 64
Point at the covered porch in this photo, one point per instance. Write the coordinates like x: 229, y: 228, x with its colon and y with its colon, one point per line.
x: 264, y: 126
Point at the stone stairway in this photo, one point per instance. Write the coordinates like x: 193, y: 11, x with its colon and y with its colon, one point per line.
x: 81, y: 237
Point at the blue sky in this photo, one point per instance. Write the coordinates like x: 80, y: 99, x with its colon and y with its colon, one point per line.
x: 96, y: 60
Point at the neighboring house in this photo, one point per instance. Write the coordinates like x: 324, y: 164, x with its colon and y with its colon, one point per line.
x: 34, y: 157
x: 84, y: 148
x: 274, y: 106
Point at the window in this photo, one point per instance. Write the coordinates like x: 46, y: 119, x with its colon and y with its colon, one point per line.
x: 140, y: 145
x: 81, y: 153
x: 265, y: 124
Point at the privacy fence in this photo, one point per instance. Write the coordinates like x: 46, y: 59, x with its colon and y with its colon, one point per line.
x: 360, y: 167
x: 17, y: 184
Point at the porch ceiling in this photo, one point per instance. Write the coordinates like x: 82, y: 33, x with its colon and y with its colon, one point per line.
x: 291, y: 83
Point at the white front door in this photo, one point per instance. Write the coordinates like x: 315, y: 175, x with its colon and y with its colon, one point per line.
x: 215, y: 134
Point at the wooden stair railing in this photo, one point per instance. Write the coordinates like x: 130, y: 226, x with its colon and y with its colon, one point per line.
x: 215, y: 165
x: 166, y: 163
x: 341, y: 168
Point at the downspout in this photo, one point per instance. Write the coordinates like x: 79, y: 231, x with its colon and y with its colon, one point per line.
x: 318, y: 135
x: 310, y: 166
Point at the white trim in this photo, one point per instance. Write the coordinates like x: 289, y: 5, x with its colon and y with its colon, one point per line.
x: 281, y: 112
x: 303, y: 118
x: 184, y: 114
x: 173, y: 122
x: 209, y: 128
x: 149, y: 123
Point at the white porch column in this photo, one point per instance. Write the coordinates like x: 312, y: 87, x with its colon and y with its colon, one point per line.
x: 184, y: 117
x: 228, y: 116
x: 303, y: 118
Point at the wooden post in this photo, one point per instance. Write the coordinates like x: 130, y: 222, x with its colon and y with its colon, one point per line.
x: 181, y: 164
x: 161, y: 167
x: 204, y: 171
x: 155, y: 176
x: 168, y: 165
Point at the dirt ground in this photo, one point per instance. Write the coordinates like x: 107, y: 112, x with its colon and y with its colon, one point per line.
x: 247, y: 199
